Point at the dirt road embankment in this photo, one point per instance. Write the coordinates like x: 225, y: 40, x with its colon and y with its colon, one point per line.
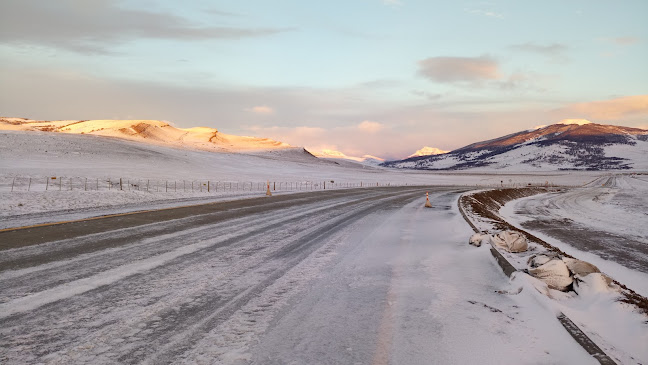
x: 481, y: 210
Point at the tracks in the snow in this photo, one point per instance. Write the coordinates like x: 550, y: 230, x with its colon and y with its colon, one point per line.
x: 148, y: 286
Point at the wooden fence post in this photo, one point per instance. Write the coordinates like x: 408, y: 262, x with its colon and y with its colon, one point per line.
x: 29, y: 186
x: 12, y: 183
x: 121, y: 186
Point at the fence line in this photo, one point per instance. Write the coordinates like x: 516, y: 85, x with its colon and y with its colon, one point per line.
x: 67, y: 183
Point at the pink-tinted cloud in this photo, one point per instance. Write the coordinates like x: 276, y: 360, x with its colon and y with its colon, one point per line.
x: 609, y: 110
x: 453, y: 69
x: 262, y: 109
x: 370, y: 127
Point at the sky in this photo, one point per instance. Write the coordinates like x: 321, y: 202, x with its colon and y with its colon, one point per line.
x: 377, y: 77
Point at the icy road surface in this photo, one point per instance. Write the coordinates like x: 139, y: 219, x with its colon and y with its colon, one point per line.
x: 337, y: 277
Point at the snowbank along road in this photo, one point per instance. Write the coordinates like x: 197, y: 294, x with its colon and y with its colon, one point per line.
x: 353, y: 276
x: 605, y: 220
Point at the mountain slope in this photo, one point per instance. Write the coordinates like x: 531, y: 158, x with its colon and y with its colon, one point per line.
x: 562, y: 146
x: 427, y: 151
x: 339, y: 156
x: 149, y: 131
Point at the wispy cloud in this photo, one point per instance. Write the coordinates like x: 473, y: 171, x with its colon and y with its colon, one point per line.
x: 622, y: 41
x: 94, y: 27
x: 427, y: 95
x: 370, y: 127
x: 392, y: 2
x: 262, y: 110
x: 608, y: 110
x: 221, y: 13
x: 486, y: 13
x: 549, y: 49
x: 458, y: 69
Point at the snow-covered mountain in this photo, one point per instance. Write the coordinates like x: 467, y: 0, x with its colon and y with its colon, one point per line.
x: 428, y: 151
x: 337, y: 155
x: 569, y: 145
x: 150, y: 131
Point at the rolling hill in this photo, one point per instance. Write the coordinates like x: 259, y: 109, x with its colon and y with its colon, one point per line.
x: 150, y: 131
x: 569, y: 145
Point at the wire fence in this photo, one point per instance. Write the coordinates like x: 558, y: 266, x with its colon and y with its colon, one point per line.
x: 68, y: 183
x: 77, y: 183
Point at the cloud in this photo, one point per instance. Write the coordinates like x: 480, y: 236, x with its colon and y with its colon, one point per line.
x: 95, y: 27
x: 427, y: 95
x: 351, y: 140
x: 309, y: 117
x: 218, y: 12
x: 622, y: 41
x: 370, y: 127
x: 392, y: 2
x: 549, y: 49
x: 609, y: 110
x: 454, y: 69
x: 486, y: 13
x: 262, y: 109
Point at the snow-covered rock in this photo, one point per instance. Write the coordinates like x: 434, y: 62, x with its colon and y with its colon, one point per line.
x: 579, y: 267
x: 510, y: 241
x: 551, y: 270
x: 476, y: 239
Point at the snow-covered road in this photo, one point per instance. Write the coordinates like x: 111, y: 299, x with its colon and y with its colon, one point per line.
x: 353, y: 277
x: 605, y: 223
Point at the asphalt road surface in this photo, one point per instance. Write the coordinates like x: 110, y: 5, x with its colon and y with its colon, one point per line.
x: 337, y: 277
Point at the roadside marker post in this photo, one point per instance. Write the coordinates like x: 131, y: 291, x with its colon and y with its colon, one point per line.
x: 427, y: 200
x: 268, y: 192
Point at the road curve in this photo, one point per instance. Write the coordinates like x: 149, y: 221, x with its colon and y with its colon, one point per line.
x: 358, y: 276
x: 182, y: 270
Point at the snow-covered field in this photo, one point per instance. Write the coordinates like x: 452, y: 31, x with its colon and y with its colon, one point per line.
x: 87, y: 170
x: 605, y: 223
x: 618, y: 328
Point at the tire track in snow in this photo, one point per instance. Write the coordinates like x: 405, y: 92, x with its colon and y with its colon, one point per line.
x: 43, y: 277
x: 98, y: 313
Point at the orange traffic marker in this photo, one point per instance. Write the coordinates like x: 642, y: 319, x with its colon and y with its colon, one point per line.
x: 427, y: 200
x: 268, y: 193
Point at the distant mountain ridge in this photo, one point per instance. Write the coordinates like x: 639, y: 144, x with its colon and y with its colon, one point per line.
x: 150, y: 131
x: 337, y: 155
x: 573, y: 145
